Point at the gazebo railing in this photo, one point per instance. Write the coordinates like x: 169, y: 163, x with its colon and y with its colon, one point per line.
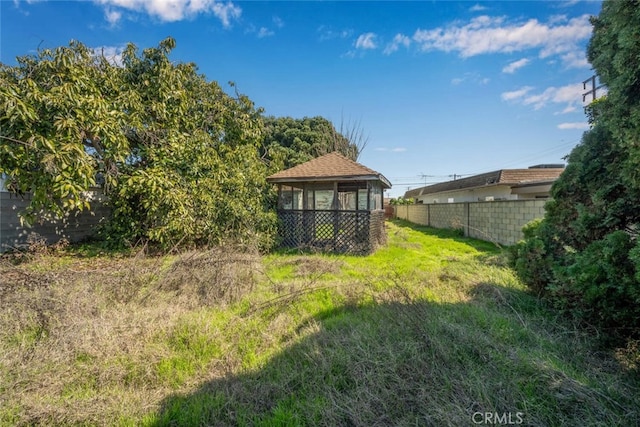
x: 358, y: 232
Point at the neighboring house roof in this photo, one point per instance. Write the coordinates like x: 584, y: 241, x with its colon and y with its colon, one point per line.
x: 511, y: 177
x: 330, y: 167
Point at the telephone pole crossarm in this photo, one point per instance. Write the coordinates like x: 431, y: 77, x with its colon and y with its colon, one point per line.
x: 594, y: 88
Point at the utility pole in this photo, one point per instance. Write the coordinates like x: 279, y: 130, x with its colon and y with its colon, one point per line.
x: 593, y: 90
x: 423, y: 176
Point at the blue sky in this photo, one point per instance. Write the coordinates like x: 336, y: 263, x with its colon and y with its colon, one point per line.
x: 438, y: 88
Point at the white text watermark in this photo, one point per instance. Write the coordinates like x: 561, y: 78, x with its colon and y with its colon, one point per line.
x: 498, y: 418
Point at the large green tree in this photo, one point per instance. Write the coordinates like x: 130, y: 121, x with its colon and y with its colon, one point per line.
x: 176, y: 155
x: 63, y: 113
x: 289, y: 142
x: 585, y: 254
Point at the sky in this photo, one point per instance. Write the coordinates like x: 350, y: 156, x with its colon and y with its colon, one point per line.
x: 438, y: 89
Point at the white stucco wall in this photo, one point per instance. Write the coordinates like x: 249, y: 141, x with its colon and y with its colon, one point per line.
x: 498, y: 192
x: 481, y: 194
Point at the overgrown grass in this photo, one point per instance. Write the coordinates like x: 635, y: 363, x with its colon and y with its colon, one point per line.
x: 433, y: 329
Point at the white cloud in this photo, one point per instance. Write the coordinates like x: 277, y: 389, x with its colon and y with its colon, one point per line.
x: 575, y: 59
x: 226, y: 12
x: 470, y: 78
x: 485, y: 35
x: 515, y: 65
x: 557, y: 19
x: 25, y: 12
x: 574, y: 125
x: 398, y: 40
x: 278, y: 22
x: 366, y: 41
x: 569, y: 95
x: 16, y: 3
x: 568, y: 109
x: 568, y: 3
x: 326, y: 33
x: 264, y: 32
x: 172, y: 10
x: 112, y: 53
x: 516, y: 94
x: 112, y: 16
x: 477, y: 8
x: 349, y: 54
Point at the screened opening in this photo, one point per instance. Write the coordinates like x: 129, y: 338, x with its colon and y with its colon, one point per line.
x: 353, y: 195
x: 290, y: 198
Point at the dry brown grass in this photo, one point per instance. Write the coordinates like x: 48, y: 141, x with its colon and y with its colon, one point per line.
x: 81, y: 340
x: 426, y: 331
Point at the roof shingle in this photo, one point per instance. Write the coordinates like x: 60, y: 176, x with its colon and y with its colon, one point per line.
x: 329, y: 167
x: 502, y: 176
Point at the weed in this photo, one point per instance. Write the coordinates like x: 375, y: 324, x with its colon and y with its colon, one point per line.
x: 429, y: 330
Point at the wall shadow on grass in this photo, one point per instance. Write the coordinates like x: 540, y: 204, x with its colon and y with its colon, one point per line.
x: 450, y: 234
x: 401, y: 361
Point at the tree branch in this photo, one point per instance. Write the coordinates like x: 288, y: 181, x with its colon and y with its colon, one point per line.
x: 26, y: 144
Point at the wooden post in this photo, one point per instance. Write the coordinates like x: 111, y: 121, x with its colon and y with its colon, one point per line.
x: 336, y: 206
x: 279, y: 204
x: 368, y: 196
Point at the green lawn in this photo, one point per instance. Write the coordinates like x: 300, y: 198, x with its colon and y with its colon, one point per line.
x: 433, y: 329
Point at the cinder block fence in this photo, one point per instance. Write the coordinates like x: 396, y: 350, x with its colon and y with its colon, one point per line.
x: 499, y: 221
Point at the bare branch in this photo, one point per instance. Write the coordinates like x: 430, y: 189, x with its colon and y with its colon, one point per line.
x: 354, y: 133
x: 26, y: 144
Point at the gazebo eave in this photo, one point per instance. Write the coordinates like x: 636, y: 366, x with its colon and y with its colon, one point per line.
x: 297, y: 180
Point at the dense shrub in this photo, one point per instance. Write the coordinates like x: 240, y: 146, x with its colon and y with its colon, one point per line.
x: 585, y: 255
x: 531, y: 259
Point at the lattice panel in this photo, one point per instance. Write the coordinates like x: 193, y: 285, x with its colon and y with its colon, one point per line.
x: 331, y: 231
x: 291, y: 229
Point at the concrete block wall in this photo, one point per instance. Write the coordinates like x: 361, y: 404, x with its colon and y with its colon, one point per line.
x: 446, y: 215
x: 498, y: 221
x: 502, y: 221
x: 72, y: 227
x: 402, y: 212
x: 417, y: 216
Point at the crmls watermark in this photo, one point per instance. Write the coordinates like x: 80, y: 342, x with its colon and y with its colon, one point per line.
x: 496, y: 418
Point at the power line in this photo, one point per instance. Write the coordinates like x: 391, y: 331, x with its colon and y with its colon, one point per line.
x: 531, y: 157
x: 412, y: 181
x: 418, y: 176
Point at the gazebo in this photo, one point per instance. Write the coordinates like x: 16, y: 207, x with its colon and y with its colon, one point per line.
x: 331, y: 204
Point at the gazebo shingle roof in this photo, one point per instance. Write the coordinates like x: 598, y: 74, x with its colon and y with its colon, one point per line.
x: 330, y: 167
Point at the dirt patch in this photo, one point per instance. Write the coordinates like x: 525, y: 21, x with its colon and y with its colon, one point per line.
x: 314, y: 266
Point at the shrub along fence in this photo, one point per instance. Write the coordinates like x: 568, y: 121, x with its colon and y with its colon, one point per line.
x: 73, y: 227
x: 499, y: 221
